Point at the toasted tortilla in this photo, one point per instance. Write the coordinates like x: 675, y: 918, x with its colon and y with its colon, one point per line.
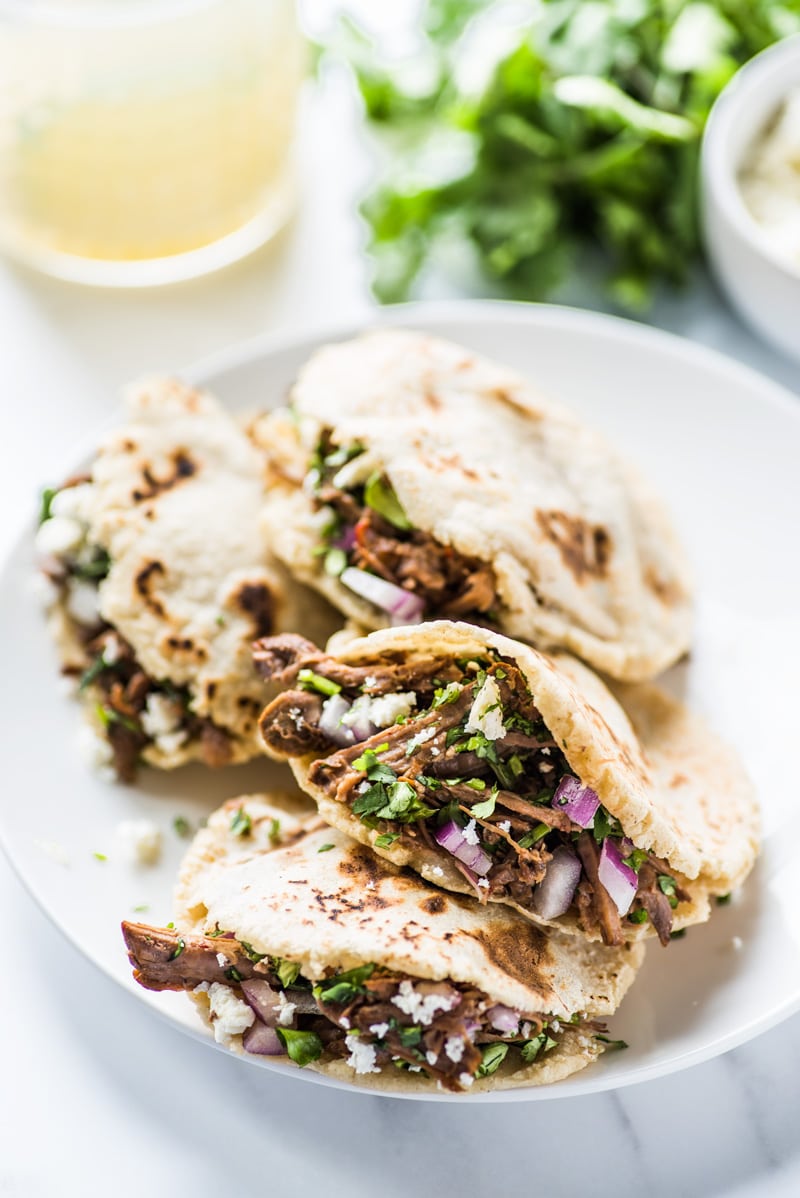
x: 175, y: 500
x: 583, y: 552
x: 336, y: 909
x: 677, y: 790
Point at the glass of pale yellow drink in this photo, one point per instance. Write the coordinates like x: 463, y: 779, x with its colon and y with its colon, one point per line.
x: 145, y: 141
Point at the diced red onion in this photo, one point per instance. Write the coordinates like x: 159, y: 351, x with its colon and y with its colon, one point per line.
x: 577, y: 801
x: 262, y: 998
x: 331, y: 721
x: 554, y: 894
x: 262, y: 1040
x: 503, y: 1019
x: 451, y: 837
x: 618, y: 878
x: 346, y: 539
x: 402, y: 605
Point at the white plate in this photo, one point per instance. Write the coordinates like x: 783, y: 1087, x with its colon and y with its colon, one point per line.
x: 723, y: 445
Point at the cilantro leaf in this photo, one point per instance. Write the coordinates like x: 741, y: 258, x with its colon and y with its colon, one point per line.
x: 486, y: 808
x: 612, y: 1043
x: 493, y: 1056
x: 537, y: 1046
x: 287, y: 972
x: 46, y: 503
x: 309, y: 681
x: 241, y: 824
x: 301, y: 1047
x: 379, y: 494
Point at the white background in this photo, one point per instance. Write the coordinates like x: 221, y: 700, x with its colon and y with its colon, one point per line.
x: 96, y: 1095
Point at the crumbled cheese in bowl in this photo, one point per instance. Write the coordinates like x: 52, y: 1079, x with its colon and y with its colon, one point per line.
x: 769, y: 181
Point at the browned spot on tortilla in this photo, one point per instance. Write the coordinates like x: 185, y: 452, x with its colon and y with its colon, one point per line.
x: 585, y: 549
x: 453, y: 461
x: 669, y: 593
x: 435, y: 905
x: 520, y: 951
x: 211, y: 689
x: 255, y: 599
x: 129, y: 446
x: 143, y: 583
x: 432, y: 400
x: 360, y: 861
x: 678, y: 780
x: 186, y: 646
x: 183, y: 467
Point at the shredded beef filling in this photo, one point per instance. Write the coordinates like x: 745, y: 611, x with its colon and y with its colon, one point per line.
x: 450, y: 583
x: 451, y: 772
x: 444, y: 1029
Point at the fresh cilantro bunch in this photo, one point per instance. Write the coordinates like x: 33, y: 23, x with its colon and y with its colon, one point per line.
x: 582, y: 141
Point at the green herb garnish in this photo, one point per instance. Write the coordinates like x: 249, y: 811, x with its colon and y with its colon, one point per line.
x: 181, y: 826
x: 93, y: 570
x: 178, y: 949
x: 639, y: 916
x: 386, y: 840
x: 325, y: 848
x: 635, y: 860
x: 380, y: 496
x: 446, y: 694
x: 605, y: 825
x: 486, y: 808
x: 530, y: 838
x: 46, y: 503
x: 723, y: 899
x: 493, y: 1057
x: 309, y: 681
x: 100, y: 856
x: 667, y: 886
x: 344, y: 987
x: 251, y: 953
x: 274, y: 831
x: 287, y: 972
x: 612, y: 1043
x: 94, y: 671
x: 241, y: 823
x: 539, y: 1045
x: 301, y: 1047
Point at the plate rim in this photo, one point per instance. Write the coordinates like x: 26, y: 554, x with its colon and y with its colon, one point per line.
x: 206, y: 371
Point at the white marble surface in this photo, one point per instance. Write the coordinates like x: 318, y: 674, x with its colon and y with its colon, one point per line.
x: 96, y: 1095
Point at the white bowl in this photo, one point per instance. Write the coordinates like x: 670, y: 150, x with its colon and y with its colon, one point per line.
x: 764, y: 288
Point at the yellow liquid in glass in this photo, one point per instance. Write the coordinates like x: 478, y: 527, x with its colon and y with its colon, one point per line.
x: 147, y: 141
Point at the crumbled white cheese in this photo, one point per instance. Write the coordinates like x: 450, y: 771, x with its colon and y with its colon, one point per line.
x: 505, y: 825
x: 44, y: 591
x: 72, y: 502
x: 362, y: 1056
x: 470, y: 834
x: 421, y: 1007
x: 161, y: 715
x: 454, y: 1048
x: 370, y: 681
x: 142, y: 840
x: 230, y: 1016
x: 466, y: 1079
x: 369, y: 885
x: 345, y: 1022
x: 286, y: 1010
x: 112, y: 649
x: 545, y: 752
x: 420, y: 739
x: 382, y: 711
x: 379, y: 1029
x: 486, y: 714
x: 170, y: 741
x: 96, y: 751
x: 556, y: 1026
x: 545, y: 767
x: 483, y: 883
x: 431, y: 1058
x: 437, y: 871
x: 222, y: 961
x: 59, y: 536
x: 526, y: 1030
x: 435, y: 751
x: 82, y: 602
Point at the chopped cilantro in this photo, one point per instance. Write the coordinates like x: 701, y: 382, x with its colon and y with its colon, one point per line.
x: 301, y: 1047
x: 723, y: 899
x: 251, y: 953
x: 530, y: 838
x: 178, y: 949
x: 636, y: 860
x: 612, y: 1043
x: 100, y: 856
x: 500, y: 673
x: 344, y: 987
x: 446, y: 694
x: 397, y: 800
x: 409, y: 1036
x: 379, y: 494
x: 140, y: 907
x: 325, y: 848
x: 241, y: 823
x: 539, y: 1045
x: 219, y: 621
x: 486, y: 808
x: 335, y: 563
x: 369, y: 759
x: 47, y: 497
x: 274, y: 832
x: 233, y: 974
x: 218, y: 931
x: 429, y: 783
x: 667, y: 885
x: 286, y: 971
x: 170, y: 925
x: 605, y: 825
x: 493, y: 1057
x: 679, y: 935
x: 94, y: 671
x: 309, y: 681
x: 96, y: 568
x: 181, y: 826
x: 386, y: 840
x: 107, y: 716
x: 639, y: 916
x: 476, y: 783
